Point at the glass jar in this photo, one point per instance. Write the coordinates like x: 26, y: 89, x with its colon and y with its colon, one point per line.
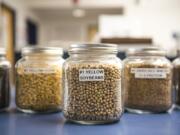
x: 92, y: 91
x: 176, y: 80
x: 39, y: 80
x: 4, y: 81
x: 147, y: 81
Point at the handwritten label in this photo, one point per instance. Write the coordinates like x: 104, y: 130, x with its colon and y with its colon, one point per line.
x: 39, y: 70
x: 150, y: 73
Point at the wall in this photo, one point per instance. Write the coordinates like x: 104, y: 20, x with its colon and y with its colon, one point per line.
x: 160, y: 18
x: 22, y: 13
x: 152, y: 18
x: 65, y: 32
x: 149, y: 18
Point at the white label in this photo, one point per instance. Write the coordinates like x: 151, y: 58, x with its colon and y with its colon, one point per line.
x: 150, y: 73
x: 91, y: 74
x: 39, y: 70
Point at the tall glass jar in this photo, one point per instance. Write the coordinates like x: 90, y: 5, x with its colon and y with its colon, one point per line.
x: 39, y: 80
x: 4, y: 80
x: 147, y: 81
x: 176, y: 71
x: 92, y: 91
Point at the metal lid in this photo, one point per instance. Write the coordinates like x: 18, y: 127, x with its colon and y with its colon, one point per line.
x: 99, y: 48
x: 2, y: 51
x: 148, y: 51
x: 42, y: 50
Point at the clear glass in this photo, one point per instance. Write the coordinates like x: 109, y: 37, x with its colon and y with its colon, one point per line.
x: 176, y: 80
x: 147, y: 84
x: 4, y: 83
x: 39, y: 83
x: 92, y: 88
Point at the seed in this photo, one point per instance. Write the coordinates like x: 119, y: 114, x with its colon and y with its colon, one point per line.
x: 39, y: 92
x: 148, y: 94
x: 4, y: 87
x: 177, y: 83
x: 94, y: 100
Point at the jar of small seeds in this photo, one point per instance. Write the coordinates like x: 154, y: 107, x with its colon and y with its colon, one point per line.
x: 176, y: 80
x: 92, y: 87
x: 147, y: 81
x: 4, y: 81
x: 39, y: 80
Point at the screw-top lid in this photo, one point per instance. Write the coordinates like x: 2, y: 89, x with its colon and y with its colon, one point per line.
x: 42, y: 50
x: 2, y: 51
x: 148, y: 51
x: 99, y: 48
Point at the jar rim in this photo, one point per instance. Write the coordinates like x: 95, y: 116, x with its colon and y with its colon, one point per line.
x: 146, y: 51
x: 93, y: 47
x: 42, y: 50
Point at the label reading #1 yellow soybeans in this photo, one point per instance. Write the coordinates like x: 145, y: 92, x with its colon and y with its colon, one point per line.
x: 91, y: 74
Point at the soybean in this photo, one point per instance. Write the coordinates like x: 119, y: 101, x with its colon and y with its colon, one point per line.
x: 93, y: 100
x: 39, y: 92
x: 148, y: 94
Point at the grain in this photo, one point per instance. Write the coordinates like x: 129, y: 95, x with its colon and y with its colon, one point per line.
x: 93, y: 100
x: 39, y: 92
x: 177, y: 83
x: 4, y: 87
x: 147, y: 94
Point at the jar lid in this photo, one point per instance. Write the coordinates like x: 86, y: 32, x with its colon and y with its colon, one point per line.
x: 2, y: 51
x: 42, y: 50
x: 148, y: 51
x: 99, y: 48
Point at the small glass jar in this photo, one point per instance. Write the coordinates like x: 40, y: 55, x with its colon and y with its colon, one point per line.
x: 92, y: 91
x: 147, y: 81
x: 39, y: 80
x: 176, y: 80
x: 4, y: 80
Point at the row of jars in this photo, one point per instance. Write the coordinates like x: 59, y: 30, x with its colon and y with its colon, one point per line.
x: 93, y: 85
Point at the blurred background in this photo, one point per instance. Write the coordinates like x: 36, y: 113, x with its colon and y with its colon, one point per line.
x: 128, y: 23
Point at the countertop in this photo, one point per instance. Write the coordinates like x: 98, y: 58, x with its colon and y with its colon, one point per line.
x: 16, y: 123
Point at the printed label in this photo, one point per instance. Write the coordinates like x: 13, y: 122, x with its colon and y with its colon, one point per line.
x: 150, y: 73
x: 91, y: 74
x: 39, y: 70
